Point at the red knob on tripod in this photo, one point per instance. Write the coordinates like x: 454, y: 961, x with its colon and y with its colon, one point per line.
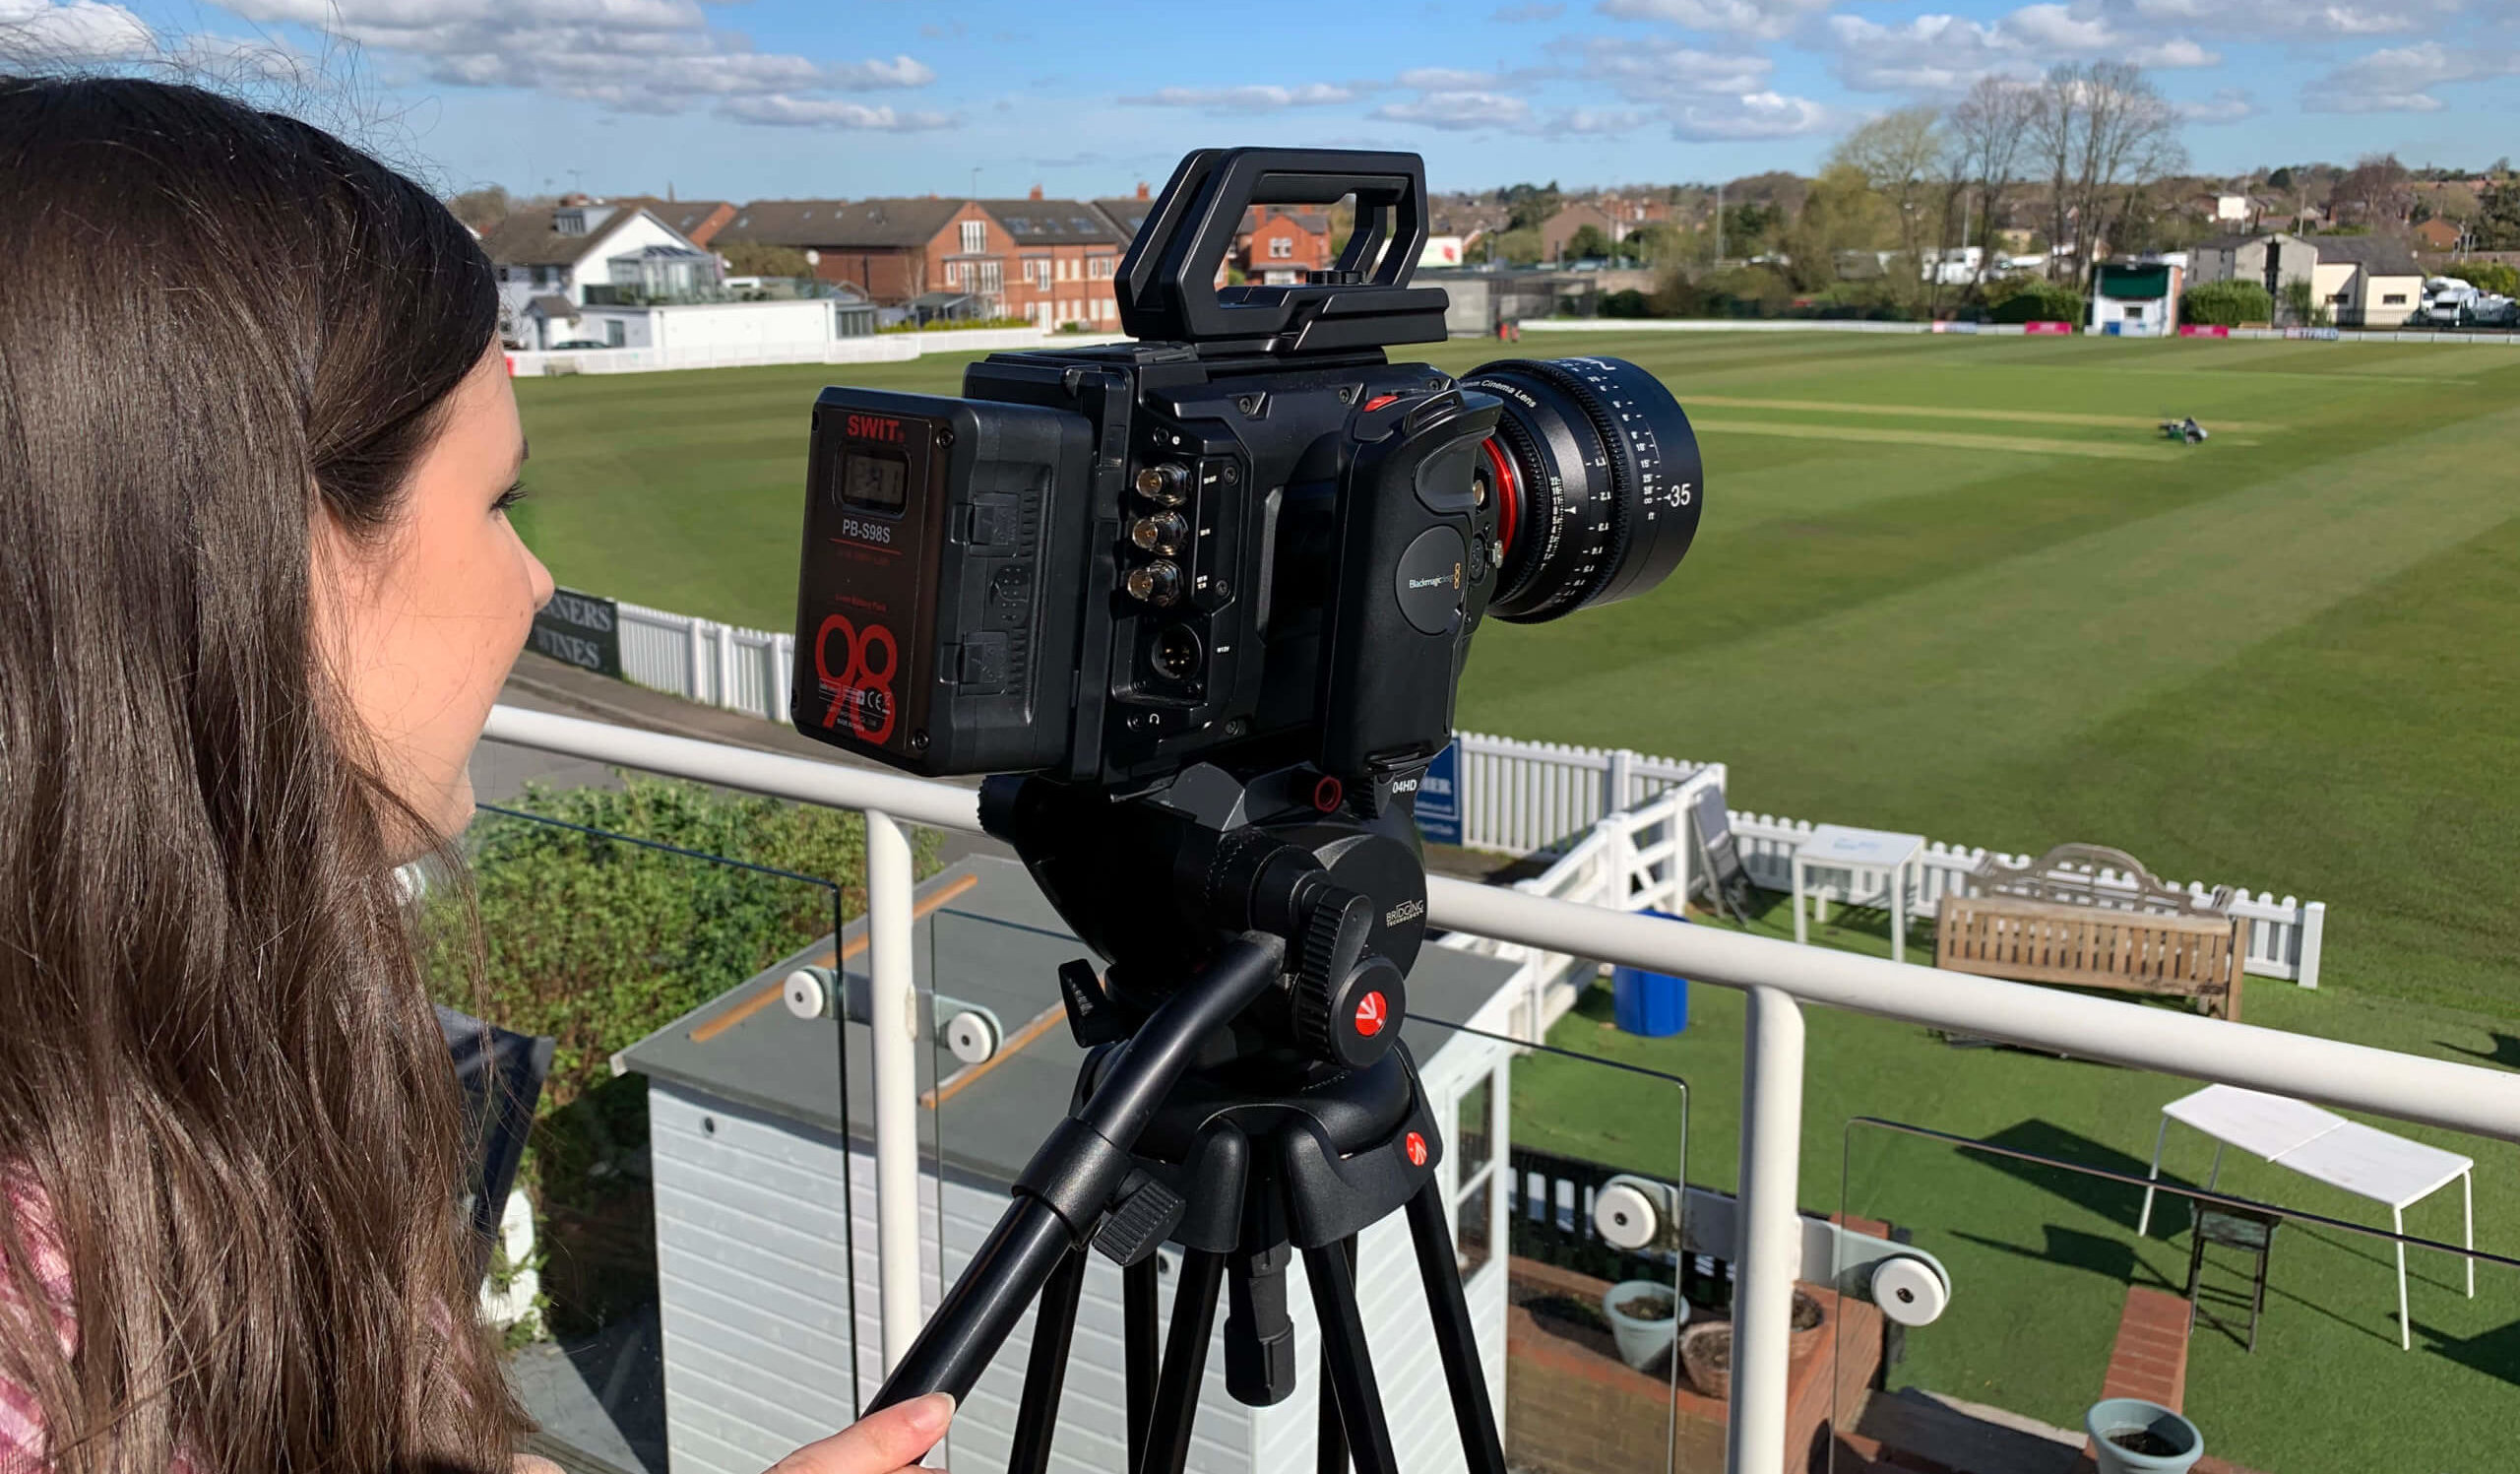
x: 1352, y: 1020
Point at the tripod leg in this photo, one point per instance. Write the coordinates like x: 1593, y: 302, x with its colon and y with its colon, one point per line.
x: 1137, y: 1321
x: 1331, y: 1439
x: 1185, y: 1363
x: 1351, y: 1369
x: 1046, y: 1375
x: 1456, y: 1339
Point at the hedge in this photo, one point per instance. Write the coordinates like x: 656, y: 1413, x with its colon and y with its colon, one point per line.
x: 2227, y: 305
x: 2040, y: 301
x: 599, y: 943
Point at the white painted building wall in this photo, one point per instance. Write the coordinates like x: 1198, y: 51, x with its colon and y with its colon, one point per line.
x: 756, y: 1324
x: 761, y: 331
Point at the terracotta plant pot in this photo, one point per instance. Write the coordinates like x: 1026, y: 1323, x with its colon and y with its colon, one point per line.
x: 1811, y: 1324
x: 1644, y: 1316
x: 1706, y: 1354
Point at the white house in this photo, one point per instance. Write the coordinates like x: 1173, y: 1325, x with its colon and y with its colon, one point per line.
x: 792, y: 330
x: 551, y: 263
x: 751, y: 1147
x: 2366, y: 281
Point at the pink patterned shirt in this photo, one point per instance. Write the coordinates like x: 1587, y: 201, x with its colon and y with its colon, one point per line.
x: 22, y: 1431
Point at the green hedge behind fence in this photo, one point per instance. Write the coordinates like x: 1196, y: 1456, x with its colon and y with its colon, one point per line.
x: 2227, y: 305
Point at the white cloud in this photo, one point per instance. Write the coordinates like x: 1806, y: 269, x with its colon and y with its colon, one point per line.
x: 1260, y: 97
x: 1767, y: 20
x: 1446, y: 79
x: 629, y: 56
x: 1581, y: 122
x: 2276, y: 17
x: 1944, y: 53
x: 1658, y: 69
x: 2229, y: 105
x: 83, y: 31
x: 1755, y: 115
x: 2401, y: 79
x: 1460, y: 110
x: 782, y: 111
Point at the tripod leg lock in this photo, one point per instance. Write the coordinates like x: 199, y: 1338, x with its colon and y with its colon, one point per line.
x: 1144, y: 1216
x: 1077, y: 1174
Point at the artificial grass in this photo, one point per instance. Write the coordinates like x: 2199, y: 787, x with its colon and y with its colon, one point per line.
x: 1951, y: 584
x: 2040, y: 1259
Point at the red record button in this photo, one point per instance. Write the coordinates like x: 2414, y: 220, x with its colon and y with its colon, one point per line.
x: 1416, y: 1145
x: 1373, y: 1012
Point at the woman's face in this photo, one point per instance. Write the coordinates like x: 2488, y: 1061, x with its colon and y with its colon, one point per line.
x: 421, y: 620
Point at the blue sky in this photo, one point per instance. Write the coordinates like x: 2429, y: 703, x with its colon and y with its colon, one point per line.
x: 789, y: 97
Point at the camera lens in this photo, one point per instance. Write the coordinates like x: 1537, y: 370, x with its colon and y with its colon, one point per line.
x: 1598, y: 481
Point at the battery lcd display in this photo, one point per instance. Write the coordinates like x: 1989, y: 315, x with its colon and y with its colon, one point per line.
x: 873, y: 481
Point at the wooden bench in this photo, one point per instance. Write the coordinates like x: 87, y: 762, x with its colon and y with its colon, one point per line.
x: 2094, y: 918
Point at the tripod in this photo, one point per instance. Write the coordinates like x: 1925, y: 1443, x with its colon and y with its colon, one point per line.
x: 1258, y: 1108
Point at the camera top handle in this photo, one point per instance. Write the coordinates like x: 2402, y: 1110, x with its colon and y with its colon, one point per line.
x: 1168, y: 290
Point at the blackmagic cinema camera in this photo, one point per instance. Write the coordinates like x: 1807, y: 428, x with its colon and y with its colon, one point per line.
x: 1203, y: 601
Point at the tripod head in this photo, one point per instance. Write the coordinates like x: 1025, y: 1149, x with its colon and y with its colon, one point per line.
x: 1161, y: 882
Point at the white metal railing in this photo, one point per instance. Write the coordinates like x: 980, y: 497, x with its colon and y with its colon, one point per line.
x: 1777, y: 976
x: 1989, y: 328
x: 1518, y: 796
x: 872, y: 347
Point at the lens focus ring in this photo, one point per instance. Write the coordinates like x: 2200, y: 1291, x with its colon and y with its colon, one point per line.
x: 1609, y: 481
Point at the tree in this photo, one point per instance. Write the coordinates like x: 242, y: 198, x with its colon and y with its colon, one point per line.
x: 750, y: 258
x: 1653, y: 244
x: 2280, y: 179
x: 1588, y: 243
x: 1900, y: 155
x: 2375, y: 193
x: 2498, y: 222
x: 1843, y: 213
x: 481, y: 208
x: 2301, y: 301
x: 2102, y: 133
x: 1984, y: 135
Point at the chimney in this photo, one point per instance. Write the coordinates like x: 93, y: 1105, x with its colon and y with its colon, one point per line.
x: 1036, y: 194
x: 1142, y: 189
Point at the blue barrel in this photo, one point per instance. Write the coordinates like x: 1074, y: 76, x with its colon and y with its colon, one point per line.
x: 1653, y: 1004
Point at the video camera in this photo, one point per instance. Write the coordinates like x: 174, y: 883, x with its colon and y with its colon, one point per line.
x: 1247, y: 539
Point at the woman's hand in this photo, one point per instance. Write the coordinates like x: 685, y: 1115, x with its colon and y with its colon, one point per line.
x: 882, y: 1442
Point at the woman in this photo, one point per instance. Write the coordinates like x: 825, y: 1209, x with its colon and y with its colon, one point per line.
x: 257, y: 595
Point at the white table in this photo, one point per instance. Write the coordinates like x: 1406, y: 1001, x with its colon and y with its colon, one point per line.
x: 2326, y: 1146
x: 1859, y: 852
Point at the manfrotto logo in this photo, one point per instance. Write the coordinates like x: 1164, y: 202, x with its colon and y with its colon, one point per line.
x: 1406, y: 911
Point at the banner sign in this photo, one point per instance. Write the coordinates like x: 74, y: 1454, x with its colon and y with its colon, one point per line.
x: 582, y: 630
x: 1439, y: 798
x: 2203, y: 330
x: 2047, y: 327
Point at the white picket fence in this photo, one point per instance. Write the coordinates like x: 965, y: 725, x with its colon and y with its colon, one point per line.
x: 1516, y: 796
x: 1635, y: 858
x: 701, y: 659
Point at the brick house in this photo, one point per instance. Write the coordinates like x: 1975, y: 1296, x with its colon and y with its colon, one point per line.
x: 1558, y: 232
x: 1277, y: 246
x: 895, y: 251
x: 2439, y: 234
x: 1066, y: 256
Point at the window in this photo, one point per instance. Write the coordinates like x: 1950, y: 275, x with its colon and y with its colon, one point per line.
x: 1474, y: 1175
x: 1037, y: 272
x: 1280, y: 248
x: 2393, y: 300
x: 952, y: 274
x: 612, y: 331
x: 974, y: 238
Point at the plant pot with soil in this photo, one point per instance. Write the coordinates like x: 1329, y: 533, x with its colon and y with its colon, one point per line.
x: 1644, y: 1316
x: 1706, y: 1354
x: 2130, y: 1435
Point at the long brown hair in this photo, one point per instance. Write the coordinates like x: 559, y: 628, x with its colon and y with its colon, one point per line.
x: 217, y: 1059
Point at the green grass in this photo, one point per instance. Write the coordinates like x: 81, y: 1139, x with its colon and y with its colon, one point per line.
x: 2040, y: 1259
x: 1954, y: 585
x: 1948, y: 585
